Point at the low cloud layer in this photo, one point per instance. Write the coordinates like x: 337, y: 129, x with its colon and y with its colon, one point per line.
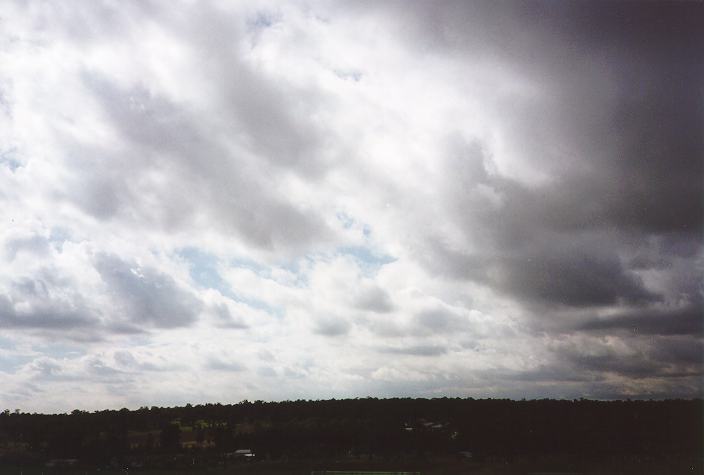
x: 316, y: 199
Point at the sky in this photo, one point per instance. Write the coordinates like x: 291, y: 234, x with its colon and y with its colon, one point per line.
x: 211, y: 201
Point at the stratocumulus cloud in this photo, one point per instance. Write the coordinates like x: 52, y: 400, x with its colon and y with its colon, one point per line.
x: 350, y: 199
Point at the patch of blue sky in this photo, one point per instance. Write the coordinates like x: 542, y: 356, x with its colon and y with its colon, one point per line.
x: 261, y: 20
x: 257, y: 268
x: 11, y: 359
x: 8, y: 158
x: 10, y: 363
x: 275, y: 311
x: 59, y: 350
x: 203, y: 269
x: 297, y: 268
x: 293, y: 266
x: 346, y: 220
x: 58, y: 236
x: 349, y: 75
x: 6, y: 343
x: 368, y: 259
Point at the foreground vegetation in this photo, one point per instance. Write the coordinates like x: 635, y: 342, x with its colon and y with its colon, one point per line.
x: 429, y: 435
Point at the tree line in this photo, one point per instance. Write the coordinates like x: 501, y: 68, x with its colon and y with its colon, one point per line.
x: 366, y: 427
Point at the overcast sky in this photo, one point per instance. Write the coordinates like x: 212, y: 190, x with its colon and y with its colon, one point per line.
x: 212, y: 201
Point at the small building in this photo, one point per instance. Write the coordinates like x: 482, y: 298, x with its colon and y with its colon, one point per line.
x: 61, y: 463
x: 242, y: 454
x: 465, y: 454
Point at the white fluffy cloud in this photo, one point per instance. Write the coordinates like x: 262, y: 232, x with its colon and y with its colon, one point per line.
x: 217, y: 201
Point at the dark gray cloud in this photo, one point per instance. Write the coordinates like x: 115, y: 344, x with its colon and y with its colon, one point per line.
x: 531, y: 248
x: 631, y: 367
x: 570, y: 277
x: 680, y: 351
x: 686, y: 320
x: 147, y: 296
x: 622, y: 144
x: 655, y: 357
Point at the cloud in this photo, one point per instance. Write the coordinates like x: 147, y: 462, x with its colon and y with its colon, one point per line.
x: 658, y: 359
x: 222, y: 365
x: 439, y: 320
x: 503, y: 214
x: 45, y: 304
x: 226, y: 320
x: 331, y: 326
x: 654, y: 321
x: 374, y: 299
x: 147, y: 296
x: 420, y: 350
x: 571, y: 277
x: 37, y: 245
